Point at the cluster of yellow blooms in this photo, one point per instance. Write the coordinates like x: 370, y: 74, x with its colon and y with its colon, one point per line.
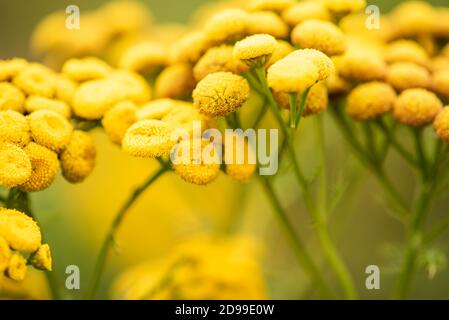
x: 201, y: 268
x: 19, y: 236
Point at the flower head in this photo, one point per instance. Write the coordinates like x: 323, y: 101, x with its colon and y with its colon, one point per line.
x: 144, y: 57
x: 240, y: 171
x: 11, y: 68
x: 407, y: 75
x: 17, y: 267
x: 65, y: 89
x: 441, y: 124
x: 5, y: 254
x: 190, y: 47
x: 283, y: 48
x: 305, y: 10
x: 255, y: 50
x: 84, y: 69
x: 175, y: 82
x: 406, y: 51
x: 35, y: 103
x: 11, y: 97
x: 345, y: 6
x: 36, y: 79
x: 267, y: 22
x: 270, y: 5
x: 20, y: 231
x: 15, y: 166
x: 118, y: 119
x: 361, y: 65
x: 227, y: 26
x: 41, y: 259
x: 323, y: 63
x: 220, y: 93
x: 133, y: 86
x: 440, y: 82
x: 14, y: 128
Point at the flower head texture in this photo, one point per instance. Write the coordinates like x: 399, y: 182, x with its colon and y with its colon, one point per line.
x: 175, y: 82
x: 118, y: 119
x: 41, y: 259
x: 17, y: 267
x: 78, y: 158
x: 407, y: 75
x: 35, y: 103
x: 416, y: 107
x: 11, y: 98
x: 11, y: 68
x: 45, y: 167
x: 221, y: 93
x: 84, y: 69
x: 323, y: 63
x: 361, y: 66
x: 133, y: 86
x: 227, y: 26
x: 283, y: 48
x: 370, y: 100
x: 65, y: 89
x: 255, y: 50
x: 14, y: 128
x: 15, y: 166
x: 36, y: 79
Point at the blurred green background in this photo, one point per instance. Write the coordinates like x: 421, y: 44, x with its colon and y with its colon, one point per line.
x: 75, y: 218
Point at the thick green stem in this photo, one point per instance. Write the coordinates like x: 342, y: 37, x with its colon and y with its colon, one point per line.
x: 109, y: 240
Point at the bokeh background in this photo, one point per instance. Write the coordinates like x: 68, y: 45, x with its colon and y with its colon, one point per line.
x: 75, y: 217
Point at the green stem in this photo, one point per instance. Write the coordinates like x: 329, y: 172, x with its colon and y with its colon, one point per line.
x: 302, y: 106
x: 109, y: 240
x: 293, y: 97
x: 437, y: 231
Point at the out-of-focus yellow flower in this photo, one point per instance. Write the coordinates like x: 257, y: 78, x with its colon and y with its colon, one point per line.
x: 118, y: 119
x: 221, y: 93
x: 255, y: 50
x: 440, y: 82
x: 321, y: 35
x: 78, y: 158
x: 11, y: 97
x: 266, y: 22
x: 35, y: 79
x: 175, y: 82
x: 323, y: 63
x: 218, y: 59
x: 305, y: 10
x: 292, y: 74
x: 41, y: 259
x: 17, y: 267
x: 411, y: 18
x: 15, y: 166
x: 370, y: 100
x: 407, y: 75
x: 35, y: 103
x: 240, y: 170
x: 132, y: 85
x: 148, y: 139
x: 45, y: 167
x: 406, y: 51
x: 20, y: 231
x: 439, y: 63
x: 14, y: 128
x: 270, y: 5
x: 416, y: 107
x: 5, y: 254
x: 283, y: 48
x: 50, y: 129
x: 441, y: 124
x: 156, y: 109
x: 343, y: 7
x: 144, y: 57
x: 84, y: 69
x: 183, y: 116
x: 227, y: 26
x: 361, y: 65
x: 65, y: 89
x: 190, y: 47
x: 11, y: 68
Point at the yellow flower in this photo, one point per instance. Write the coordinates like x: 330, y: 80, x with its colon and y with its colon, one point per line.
x: 65, y: 89
x: 144, y: 57
x: 267, y: 22
x: 190, y: 47
x: 305, y: 10
x: 84, y: 69
x: 406, y: 51
x: 283, y: 48
x: 45, y: 167
x: 183, y: 115
x: 407, y: 75
x: 50, y: 129
x: 5, y: 254
x: 11, y: 98
x: 345, y: 6
x: 35, y: 103
x: 78, y: 158
x: 19, y: 230
x: 14, y: 128
x: 196, y: 170
x: 361, y: 65
x: 270, y: 5
x: 176, y: 82
x: 317, y: 100
x: 36, y: 79
x: 416, y: 107
x: 17, y: 267
x: 240, y: 170
x: 148, y: 139
x: 227, y: 26
x: 156, y: 109
x: 218, y: 59
x: 439, y: 63
x: 118, y: 119
x: 41, y: 259
x: 292, y: 74
x: 10, y: 68
x: 441, y: 124
x: 132, y: 85
x: 370, y: 100
x: 255, y: 50
x: 15, y: 166
x: 320, y: 35
x: 440, y: 82
x: 412, y: 18
x: 323, y: 63
x: 221, y: 93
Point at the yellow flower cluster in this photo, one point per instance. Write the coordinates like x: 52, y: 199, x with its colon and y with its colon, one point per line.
x: 21, y: 244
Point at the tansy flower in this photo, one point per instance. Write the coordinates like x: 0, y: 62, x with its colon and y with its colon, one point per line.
x: 441, y: 124
x: 15, y: 166
x: 144, y: 57
x: 36, y: 79
x: 440, y: 82
x: 14, y: 128
x: 50, y: 129
x: 361, y: 65
x: 439, y: 63
x: 337, y: 85
x: 17, y: 267
x: 190, y: 47
x: 176, y: 82
x: 267, y: 22
x: 45, y: 167
x: 305, y: 10
x: 343, y: 7
x: 78, y: 158
x: 196, y: 170
x: 406, y: 51
x: 292, y: 75
x: 218, y: 59
x: 11, y: 68
x: 255, y: 50
x: 41, y: 259
x: 317, y: 100
x: 283, y: 48
x: 227, y: 26
x: 320, y: 35
x: 93, y: 98
x: 132, y: 85
x: 323, y: 63
x: 220, y: 93
x: 240, y: 171
x: 19, y: 230
x: 5, y: 254
x: 156, y: 109
x: 148, y: 139
x: 11, y: 97
x: 407, y: 75
x: 84, y: 69
x: 413, y: 18
x: 118, y: 119
x: 416, y: 107
x: 65, y: 89
x: 35, y: 103
x: 270, y: 5
x: 370, y: 100
x: 183, y: 116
